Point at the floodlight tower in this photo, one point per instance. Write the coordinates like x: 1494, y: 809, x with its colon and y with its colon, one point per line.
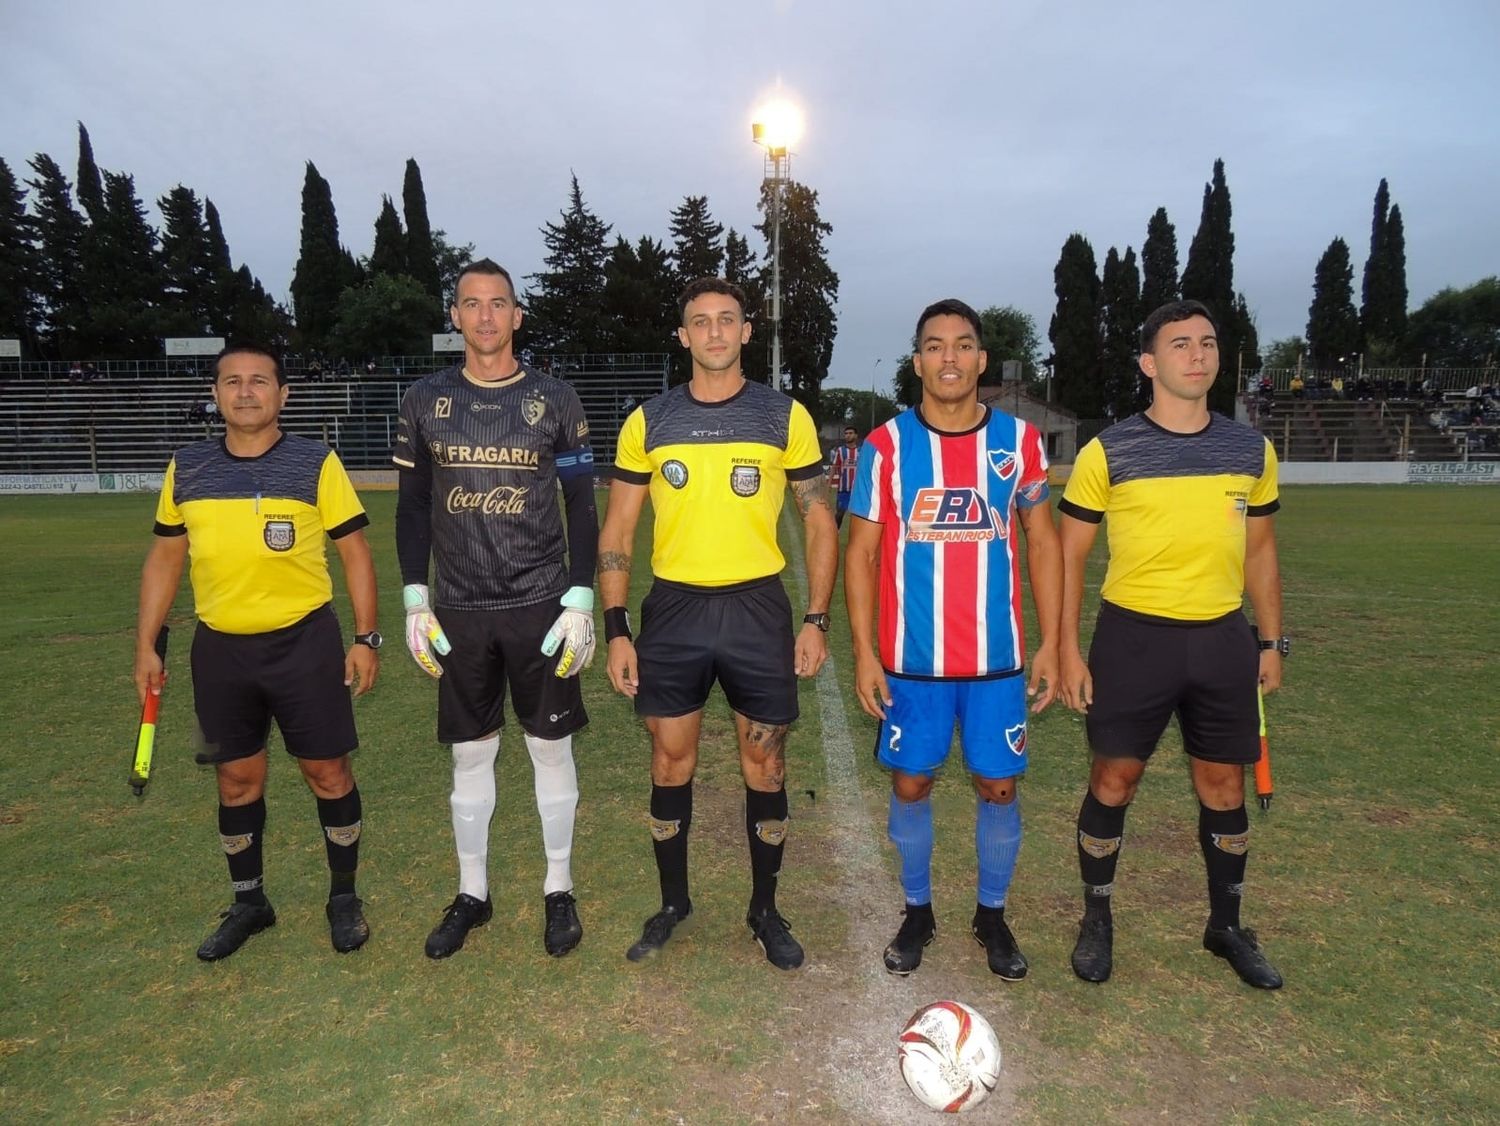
x: 774, y: 130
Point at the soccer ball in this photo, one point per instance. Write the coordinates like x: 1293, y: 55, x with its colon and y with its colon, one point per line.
x: 949, y: 1056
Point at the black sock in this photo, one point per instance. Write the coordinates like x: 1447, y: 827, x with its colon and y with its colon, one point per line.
x: 765, y: 825
x: 241, y: 829
x: 1224, y: 835
x: 671, y: 814
x: 1101, y: 831
x: 342, y: 819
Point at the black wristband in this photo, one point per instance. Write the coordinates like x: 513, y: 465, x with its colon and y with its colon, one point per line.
x: 616, y: 623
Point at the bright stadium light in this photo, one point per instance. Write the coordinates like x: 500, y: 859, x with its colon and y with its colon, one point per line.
x: 776, y: 128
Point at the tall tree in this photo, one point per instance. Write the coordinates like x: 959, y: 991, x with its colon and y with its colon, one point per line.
x: 1247, y: 355
x: 187, y: 264
x: 1332, y: 322
x: 566, y: 309
x: 1120, y: 296
x: 697, y: 241
x: 1158, y: 263
x: 224, y: 285
x: 386, y: 315
x: 254, y: 315
x: 740, y: 268
x: 451, y: 261
x: 389, y: 255
x: 809, y: 288
x: 1074, y: 330
x: 640, y: 297
x: 421, y: 253
x: 19, y: 303
x: 1284, y: 353
x: 90, y: 186
x: 123, y: 281
x: 1209, y: 277
x: 1382, y: 314
x: 60, y: 232
x: 322, y: 270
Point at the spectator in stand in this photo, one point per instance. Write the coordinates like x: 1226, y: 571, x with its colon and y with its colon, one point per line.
x: 75, y: 372
x: 315, y: 371
x: 1362, y: 390
x: 1338, y: 385
x: 90, y: 372
x: 1267, y: 396
x: 370, y: 368
x: 1298, y: 386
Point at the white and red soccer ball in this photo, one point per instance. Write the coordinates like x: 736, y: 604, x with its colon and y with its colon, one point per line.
x: 950, y: 1056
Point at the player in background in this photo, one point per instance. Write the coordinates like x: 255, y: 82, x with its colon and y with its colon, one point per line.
x: 482, y: 448
x: 716, y: 455
x: 842, y: 464
x: 252, y: 509
x: 940, y: 493
x: 1189, y: 495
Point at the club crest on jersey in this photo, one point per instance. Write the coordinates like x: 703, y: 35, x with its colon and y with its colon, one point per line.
x: 443, y: 408
x: 280, y: 535
x: 744, y: 480
x: 532, y: 409
x: 675, y: 473
x: 1003, y: 462
x: 952, y: 516
x: 1015, y: 739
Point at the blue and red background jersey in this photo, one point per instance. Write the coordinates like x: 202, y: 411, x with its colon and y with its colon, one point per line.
x: 841, y: 467
x: 950, y: 568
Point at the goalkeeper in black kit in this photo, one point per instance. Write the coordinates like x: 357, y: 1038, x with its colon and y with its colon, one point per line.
x: 482, y: 448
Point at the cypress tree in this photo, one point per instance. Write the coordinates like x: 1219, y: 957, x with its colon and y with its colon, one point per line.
x: 223, y: 282
x: 1158, y: 263
x: 1209, y: 277
x: 90, y: 186
x: 60, y: 232
x: 19, y: 304
x: 421, y: 254
x: 1395, y: 271
x: 389, y: 255
x: 740, y: 268
x: 640, y: 297
x: 1120, y: 351
x: 1074, y: 330
x: 186, y: 262
x: 323, y: 268
x: 566, y: 308
x: 1332, y: 322
x: 697, y: 246
x: 123, y: 281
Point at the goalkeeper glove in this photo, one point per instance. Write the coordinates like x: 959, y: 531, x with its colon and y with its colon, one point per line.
x: 424, y: 636
x: 573, y: 631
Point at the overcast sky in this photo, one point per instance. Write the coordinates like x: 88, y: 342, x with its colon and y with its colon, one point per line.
x: 954, y: 146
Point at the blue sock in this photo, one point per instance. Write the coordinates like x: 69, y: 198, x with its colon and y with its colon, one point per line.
x: 997, y: 840
x: 910, y: 828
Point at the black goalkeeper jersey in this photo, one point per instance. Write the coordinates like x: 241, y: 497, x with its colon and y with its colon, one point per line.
x: 495, y: 454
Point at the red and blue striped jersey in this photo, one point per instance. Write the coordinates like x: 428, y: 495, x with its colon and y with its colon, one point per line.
x: 841, y: 467
x: 950, y: 568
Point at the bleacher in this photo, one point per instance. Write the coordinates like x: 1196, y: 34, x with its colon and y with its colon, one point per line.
x: 131, y: 417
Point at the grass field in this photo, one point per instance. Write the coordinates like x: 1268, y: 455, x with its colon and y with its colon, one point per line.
x: 1372, y: 883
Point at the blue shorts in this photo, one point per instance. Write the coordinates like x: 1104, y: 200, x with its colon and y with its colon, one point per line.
x: 841, y: 501
x: 991, y: 717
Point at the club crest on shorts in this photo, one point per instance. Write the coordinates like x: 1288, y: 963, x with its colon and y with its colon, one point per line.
x: 533, y: 407
x: 675, y: 473
x: 1015, y: 739
x: 744, y: 480
x: 280, y: 535
x: 1003, y: 462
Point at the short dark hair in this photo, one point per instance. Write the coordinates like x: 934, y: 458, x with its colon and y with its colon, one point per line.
x: 485, y: 266
x: 697, y: 288
x: 1171, y: 313
x: 251, y: 348
x: 947, y: 307
x: 847, y: 426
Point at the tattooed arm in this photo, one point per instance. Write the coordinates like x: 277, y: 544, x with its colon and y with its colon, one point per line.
x: 816, y: 507
x: 615, y: 540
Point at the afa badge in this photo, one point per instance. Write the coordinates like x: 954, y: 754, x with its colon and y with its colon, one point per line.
x: 280, y: 535
x: 675, y: 472
x: 744, y: 480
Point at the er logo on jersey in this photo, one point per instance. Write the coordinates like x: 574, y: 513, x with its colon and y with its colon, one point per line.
x: 952, y: 516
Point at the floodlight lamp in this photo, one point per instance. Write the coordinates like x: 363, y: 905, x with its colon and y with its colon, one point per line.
x: 777, y: 127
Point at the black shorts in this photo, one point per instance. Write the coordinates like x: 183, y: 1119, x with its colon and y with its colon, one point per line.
x: 293, y: 675
x: 491, y: 647
x: 739, y: 635
x: 1145, y: 669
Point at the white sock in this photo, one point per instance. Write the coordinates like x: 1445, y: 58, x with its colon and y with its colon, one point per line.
x: 473, y: 802
x: 556, y: 801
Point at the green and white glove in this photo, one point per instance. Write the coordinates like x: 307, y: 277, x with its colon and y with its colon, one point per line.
x: 424, y: 636
x: 573, y: 631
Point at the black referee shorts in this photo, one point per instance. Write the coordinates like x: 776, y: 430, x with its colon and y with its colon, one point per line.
x: 1146, y: 669
x: 739, y: 635
x: 294, y: 675
x: 490, y: 649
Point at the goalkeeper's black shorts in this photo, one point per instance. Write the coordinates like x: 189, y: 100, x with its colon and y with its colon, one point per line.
x: 293, y: 675
x: 739, y: 635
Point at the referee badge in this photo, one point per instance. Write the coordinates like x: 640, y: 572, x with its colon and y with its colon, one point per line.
x: 532, y: 409
x: 744, y: 480
x: 280, y: 535
x: 675, y: 472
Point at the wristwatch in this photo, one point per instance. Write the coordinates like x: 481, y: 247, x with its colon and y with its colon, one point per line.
x: 372, y: 639
x: 1282, y: 645
x: 819, y: 620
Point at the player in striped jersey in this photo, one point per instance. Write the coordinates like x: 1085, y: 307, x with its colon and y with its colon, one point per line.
x: 938, y: 496
x: 842, y: 465
x: 482, y: 449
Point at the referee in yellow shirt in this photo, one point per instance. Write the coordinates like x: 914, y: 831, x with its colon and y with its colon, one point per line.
x: 1189, y: 497
x: 251, y: 509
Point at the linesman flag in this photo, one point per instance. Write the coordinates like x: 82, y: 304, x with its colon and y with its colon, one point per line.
x: 145, y: 738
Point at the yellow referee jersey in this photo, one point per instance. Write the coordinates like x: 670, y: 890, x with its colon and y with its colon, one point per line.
x: 1177, y: 505
x: 255, y: 528
x: 718, y: 474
